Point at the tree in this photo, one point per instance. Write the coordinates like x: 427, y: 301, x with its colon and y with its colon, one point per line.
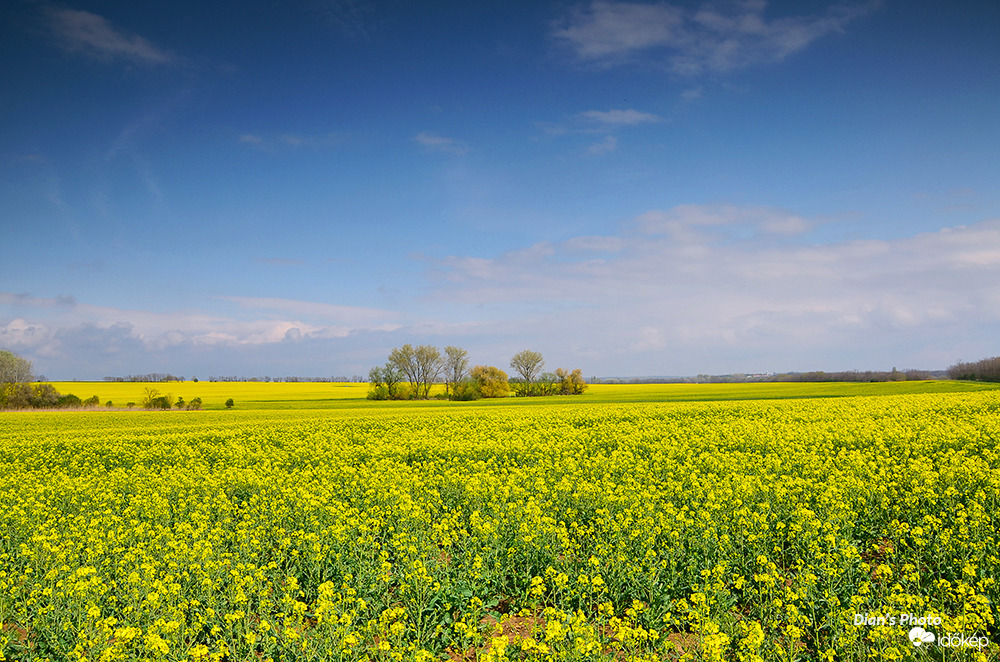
x: 527, y: 364
x: 492, y: 381
x: 385, y: 383
x: 421, y: 366
x: 14, y: 369
x: 229, y: 403
x: 15, y: 375
x: 150, y: 394
x: 571, y: 383
x: 456, y: 364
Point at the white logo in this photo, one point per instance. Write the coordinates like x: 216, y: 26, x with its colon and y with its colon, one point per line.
x: 919, y: 636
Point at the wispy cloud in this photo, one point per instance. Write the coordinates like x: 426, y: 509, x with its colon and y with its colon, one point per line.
x: 79, y: 31
x: 606, y: 146
x: 715, y: 38
x: 627, y: 117
x: 436, y: 143
x: 291, y: 140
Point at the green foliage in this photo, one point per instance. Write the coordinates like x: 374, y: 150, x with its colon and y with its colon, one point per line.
x: 229, y: 403
x: 420, y: 365
x: 194, y: 404
x: 69, y: 400
x: 92, y: 401
x: 456, y: 366
x: 492, y: 381
x: 571, y: 383
x: 384, y: 383
x: 527, y: 364
x: 14, y: 369
x: 466, y: 389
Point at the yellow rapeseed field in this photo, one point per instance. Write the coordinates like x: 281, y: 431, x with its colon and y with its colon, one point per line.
x: 850, y: 528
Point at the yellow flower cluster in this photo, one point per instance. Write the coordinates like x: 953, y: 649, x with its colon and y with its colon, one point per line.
x: 744, y: 530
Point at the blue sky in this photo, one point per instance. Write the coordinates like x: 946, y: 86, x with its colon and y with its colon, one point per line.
x: 631, y: 188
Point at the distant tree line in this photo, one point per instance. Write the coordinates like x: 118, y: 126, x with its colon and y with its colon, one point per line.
x: 148, y: 377
x: 409, y: 373
x: 893, y: 375
x: 167, y: 377
x: 355, y: 379
x: 983, y: 370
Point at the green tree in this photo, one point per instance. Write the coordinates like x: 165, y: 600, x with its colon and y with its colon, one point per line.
x: 149, y: 394
x: 229, y: 403
x: 384, y: 383
x: 15, y: 376
x: 571, y: 383
x: 420, y: 365
x: 492, y: 381
x: 456, y: 365
x: 527, y: 364
x: 14, y: 369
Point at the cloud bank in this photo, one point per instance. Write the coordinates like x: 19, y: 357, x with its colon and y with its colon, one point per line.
x: 686, y: 290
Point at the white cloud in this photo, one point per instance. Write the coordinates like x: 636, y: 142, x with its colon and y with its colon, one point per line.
x: 627, y: 117
x: 708, y: 282
x: 713, y: 39
x: 54, y: 327
x: 434, y: 142
x: 79, y: 31
x: 606, y: 146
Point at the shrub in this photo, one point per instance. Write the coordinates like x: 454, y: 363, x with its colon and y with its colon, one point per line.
x: 194, y: 404
x: 159, y: 402
x: 44, y: 395
x: 229, y: 403
x: 466, y: 389
x: 92, y: 401
x: 69, y: 400
x: 492, y: 381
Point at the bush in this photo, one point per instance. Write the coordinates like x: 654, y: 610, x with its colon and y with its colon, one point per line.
x: 465, y: 390
x: 15, y: 396
x: 159, y: 402
x: 92, y: 401
x: 229, y: 403
x: 44, y: 395
x: 69, y: 400
x: 194, y: 404
x: 492, y: 381
x: 379, y: 392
